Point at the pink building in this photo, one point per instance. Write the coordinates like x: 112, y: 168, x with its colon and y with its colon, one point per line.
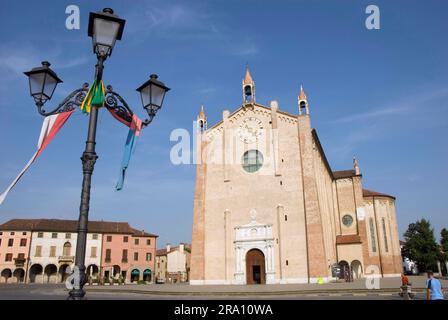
x: 129, y: 255
x: 14, y: 253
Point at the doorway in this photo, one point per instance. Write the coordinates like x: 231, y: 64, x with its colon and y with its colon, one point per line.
x: 255, y: 267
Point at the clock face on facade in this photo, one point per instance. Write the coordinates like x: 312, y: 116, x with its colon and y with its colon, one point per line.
x: 250, y: 129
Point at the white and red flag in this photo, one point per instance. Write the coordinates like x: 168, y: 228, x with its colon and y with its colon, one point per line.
x: 50, y: 127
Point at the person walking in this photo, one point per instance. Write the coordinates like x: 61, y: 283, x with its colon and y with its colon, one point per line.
x: 433, y: 287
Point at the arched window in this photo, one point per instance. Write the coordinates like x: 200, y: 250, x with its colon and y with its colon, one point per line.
x: 67, y: 249
x: 372, y: 235
x: 386, y: 247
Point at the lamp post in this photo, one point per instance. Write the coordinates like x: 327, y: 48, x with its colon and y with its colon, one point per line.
x: 104, y: 28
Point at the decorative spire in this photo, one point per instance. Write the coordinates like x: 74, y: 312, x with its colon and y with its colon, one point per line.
x: 356, y: 166
x: 248, y: 77
x: 202, y: 113
x: 302, y: 102
x: 302, y: 95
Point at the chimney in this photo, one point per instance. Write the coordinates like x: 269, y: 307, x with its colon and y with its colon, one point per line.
x: 181, y: 247
x: 168, y: 247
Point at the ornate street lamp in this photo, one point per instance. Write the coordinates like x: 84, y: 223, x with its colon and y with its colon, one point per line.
x: 43, y: 82
x: 152, y: 93
x: 104, y: 28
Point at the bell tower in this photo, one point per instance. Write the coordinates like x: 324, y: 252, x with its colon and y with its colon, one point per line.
x: 202, y: 120
x: 303, y: 102
x: 248, y: 88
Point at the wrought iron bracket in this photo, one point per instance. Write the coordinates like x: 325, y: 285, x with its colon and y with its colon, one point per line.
x: 72, y: 101
x: 116, y: 103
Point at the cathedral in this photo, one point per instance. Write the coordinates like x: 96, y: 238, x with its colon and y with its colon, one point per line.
x: 269, y: 209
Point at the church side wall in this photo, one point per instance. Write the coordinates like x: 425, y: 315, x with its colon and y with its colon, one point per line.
x: 388, y: 255
x: 325, y: 196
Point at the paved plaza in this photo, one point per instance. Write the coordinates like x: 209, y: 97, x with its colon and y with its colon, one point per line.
x: 357, y: 290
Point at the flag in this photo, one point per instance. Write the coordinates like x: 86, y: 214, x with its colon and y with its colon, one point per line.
x: 131, y: 141
x: 94, y: 97
x: 51, y: 126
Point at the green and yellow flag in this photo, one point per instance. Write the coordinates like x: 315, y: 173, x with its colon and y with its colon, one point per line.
x: 94, y: 97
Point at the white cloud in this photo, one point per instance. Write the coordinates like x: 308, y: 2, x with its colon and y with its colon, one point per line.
x: 187, y: 21
x: 403, y: 106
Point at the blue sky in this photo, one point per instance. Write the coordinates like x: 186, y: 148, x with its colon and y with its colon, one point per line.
x: 377, y: 94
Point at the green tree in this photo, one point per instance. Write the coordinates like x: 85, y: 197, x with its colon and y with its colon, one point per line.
x: 444, y: 243
x: 421, y: 245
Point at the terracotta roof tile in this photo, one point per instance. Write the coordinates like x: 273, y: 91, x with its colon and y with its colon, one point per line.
x: 162, y: 252
x: 59, y: 225
x: 344, y: 174
x: 370, y: 193
x: 142, y: 233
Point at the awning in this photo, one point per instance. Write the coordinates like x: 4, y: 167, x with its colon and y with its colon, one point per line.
x: 135, y: 272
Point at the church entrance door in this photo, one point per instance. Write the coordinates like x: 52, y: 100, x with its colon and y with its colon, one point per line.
x: 255, y: 267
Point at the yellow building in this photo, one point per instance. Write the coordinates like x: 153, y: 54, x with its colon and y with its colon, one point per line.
x: 269, y: 209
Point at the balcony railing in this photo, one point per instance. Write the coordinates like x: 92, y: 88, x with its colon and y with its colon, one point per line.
x: 19, y: 262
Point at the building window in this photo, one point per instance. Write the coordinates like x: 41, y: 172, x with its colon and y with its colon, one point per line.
x: 252, y: 160
x: 109, y: 238
x: 93, y: 252
x: 24, y: 233
x: 0, y: 241
x: 124, y: 255
x: 148, y: 256
x: 40, y: 234
x: 372, y: 235
x: 135, y: 256
x: 108, y: 254
x: 1, y: 233
x: 95, y: 236
x: 347, y: 220
x: 148, y: 242
x: 68, y: 236
x: 21, y: 256
x: 386, y: 247
x: 125, y: 239
x: 23, y: 242
x: 53, y: 251
x: 38, y: 252
x: 8, y: 257
x: 54, y: 235
x: 10, y: 242
x: 136, y: 241
x: 13, y: 233
x: 67, y: 249
x: 158, y: 265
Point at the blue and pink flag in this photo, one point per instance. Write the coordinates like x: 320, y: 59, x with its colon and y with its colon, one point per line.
x: 135, y: 127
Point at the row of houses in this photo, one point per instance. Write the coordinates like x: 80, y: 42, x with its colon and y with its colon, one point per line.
x: 43, y: 251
